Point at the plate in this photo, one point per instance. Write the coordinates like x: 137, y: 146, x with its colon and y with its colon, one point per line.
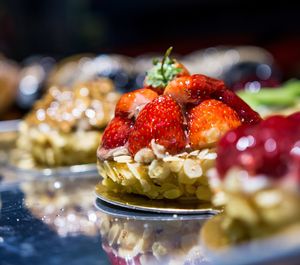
x: 282, y: 248
x: 140, y: 203
x: 121, y: 212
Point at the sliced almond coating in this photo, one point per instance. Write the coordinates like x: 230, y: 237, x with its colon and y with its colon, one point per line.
x: 120, y: 151
x: 194, y: 153
x: 159, y: 150
x: 110, y: 173
x: 184, y: 179
x: 172, y: 159
x: 145, y: 185
x: 135, y: 170
x: 268, y: 199
x: 158, y: 170
x: 184, y: 154
x: 175, y: 166
x: 234, y: 178
x: 192, y: 168
x: 210, y: 156
x: 240, y: 208
x: 190, y: 189
x: 219, y: 199
x: 173, y: 193
x: 203, y: 193
x: 145, y: 155
x: 123, y: 159
x: 202, y: 153
x: 126, y: 173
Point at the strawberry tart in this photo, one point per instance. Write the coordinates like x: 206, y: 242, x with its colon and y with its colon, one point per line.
x: 162, y: 139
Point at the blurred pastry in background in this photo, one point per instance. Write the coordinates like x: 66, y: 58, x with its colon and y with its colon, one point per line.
x: 257, y: 180
x: 33, y: 77
x: 65, y: 126
x: 284, y: 99
x: 238, y: 66
x: 70, y: 70
x: 215, y: 61
x: 9, y: 79
x: 86, y: 67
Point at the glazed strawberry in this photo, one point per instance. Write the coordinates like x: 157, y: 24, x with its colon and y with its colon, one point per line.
x: 244, y: 111
x: 208, y: 121
x: 117, y: 132
x: 161, y: 120
x: 131, y: 103
x: 193, y: 89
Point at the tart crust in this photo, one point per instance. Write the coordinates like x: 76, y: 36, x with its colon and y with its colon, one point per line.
x: 182, y: 176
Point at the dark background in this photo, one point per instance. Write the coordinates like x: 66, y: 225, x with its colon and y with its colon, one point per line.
x: 63, y: 27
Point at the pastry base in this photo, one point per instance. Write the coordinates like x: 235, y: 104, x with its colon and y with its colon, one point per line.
x: 172, y: 183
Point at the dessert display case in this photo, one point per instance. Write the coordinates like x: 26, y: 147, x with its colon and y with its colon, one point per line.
x: 184, y: 170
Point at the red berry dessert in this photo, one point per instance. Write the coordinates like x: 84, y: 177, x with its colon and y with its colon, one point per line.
x: 258, y: 177
x: 161, y: 141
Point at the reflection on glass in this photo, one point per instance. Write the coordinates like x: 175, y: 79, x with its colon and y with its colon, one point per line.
x: 134, y: 240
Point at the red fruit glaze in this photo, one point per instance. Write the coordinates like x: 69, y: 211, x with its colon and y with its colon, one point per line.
x: 208, y: 121
x: 193, y: 89
x: 161, y: 120
x: 117, y: 132
x: 131, y: 103
x: 271, y: 147
x: 244, y: 111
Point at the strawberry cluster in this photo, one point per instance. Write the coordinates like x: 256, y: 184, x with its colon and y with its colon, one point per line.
x: 190, y: 111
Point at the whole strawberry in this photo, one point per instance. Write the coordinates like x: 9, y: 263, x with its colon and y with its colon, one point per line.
x: 131, y: 103
x: 161, y: 120
x: 208, y: 121
x: 193, y: 89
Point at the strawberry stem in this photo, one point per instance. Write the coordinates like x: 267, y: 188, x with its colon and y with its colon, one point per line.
x: 162, y: 72
x: 167, y: 54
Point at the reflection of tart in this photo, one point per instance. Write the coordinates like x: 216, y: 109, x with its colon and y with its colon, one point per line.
x: 161, y: 140
x: 151, y: 242
x: 257, y: 178
x: 64, y: 127
x: 66, y: 206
